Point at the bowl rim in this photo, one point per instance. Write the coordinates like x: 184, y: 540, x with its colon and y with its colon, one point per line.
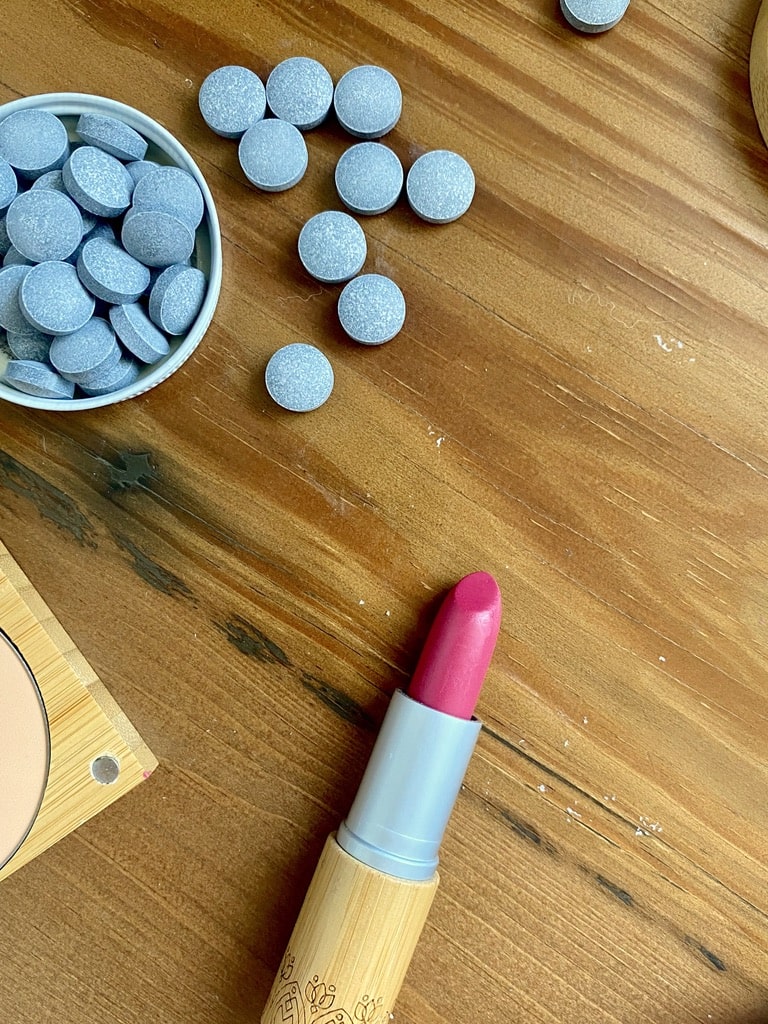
x: 70, y: 104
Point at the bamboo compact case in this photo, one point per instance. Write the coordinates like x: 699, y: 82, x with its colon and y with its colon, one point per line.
x: 66, y: 749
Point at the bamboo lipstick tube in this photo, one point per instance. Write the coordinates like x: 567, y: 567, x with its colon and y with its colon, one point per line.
x: 377, y: 876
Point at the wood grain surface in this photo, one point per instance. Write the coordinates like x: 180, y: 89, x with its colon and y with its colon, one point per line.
x: 577, y: 404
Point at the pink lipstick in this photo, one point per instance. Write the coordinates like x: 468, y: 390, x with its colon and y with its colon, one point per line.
x: 459, y: 647
x: 377, y: 876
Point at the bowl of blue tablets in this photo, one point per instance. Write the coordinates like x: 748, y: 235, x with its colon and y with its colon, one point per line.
x: 110, y: 249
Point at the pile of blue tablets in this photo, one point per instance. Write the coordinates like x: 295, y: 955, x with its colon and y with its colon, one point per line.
x: 97, y: 243
x: 367, y: 101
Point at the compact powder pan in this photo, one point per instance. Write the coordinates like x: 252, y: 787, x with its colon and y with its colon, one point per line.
x: 67, y: 750
x: 24, y: 749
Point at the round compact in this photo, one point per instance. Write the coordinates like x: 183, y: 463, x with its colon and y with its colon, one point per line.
x: 24, y: 750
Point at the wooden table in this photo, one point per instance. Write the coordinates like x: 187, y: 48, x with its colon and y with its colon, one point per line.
x: 577, y: 404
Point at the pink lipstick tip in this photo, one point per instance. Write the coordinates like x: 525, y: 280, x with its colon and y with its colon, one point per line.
x: 459, y: 647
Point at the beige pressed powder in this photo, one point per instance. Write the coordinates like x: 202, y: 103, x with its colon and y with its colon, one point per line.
x: 24, y: 749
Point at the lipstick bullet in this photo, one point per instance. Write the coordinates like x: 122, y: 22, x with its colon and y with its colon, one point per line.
x: 377, y: 876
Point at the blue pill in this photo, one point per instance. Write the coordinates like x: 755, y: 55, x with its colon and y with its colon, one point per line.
x: 28, y: 343
x: 5, y: 242
x: 44, y: 224
x: 156, y: 238
x: 11, y: 279
x: 87, y: 353
x: 371, y: 309
x: 37, y: 379
x: 176, y: 298
x: 112, y: 135
x: 53, y: 299
x: 14, y: 258
x: 172, y: 190
x: 33, y: 142
x: 137, y: 332
x: 55, y: 180
x: 51, y: 179
x: 9, y: 186
x: 124, y: 373
x: 110, y: 273
x: 368, y: 101
x: 593, y: 16
x: 299, y: 377
x: 440, y: 186
x: 138, y: 168
x: 369, y: 178
x: 300, y: 90
x: 273, y: 155
x: 102, y: 229
x: 232, y: 99
x: 97, y: 181
x: 332, y: 246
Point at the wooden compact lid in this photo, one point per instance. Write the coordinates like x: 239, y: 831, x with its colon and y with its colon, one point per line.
x: 95, y: 753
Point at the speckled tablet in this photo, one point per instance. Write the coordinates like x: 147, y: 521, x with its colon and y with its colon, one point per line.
x: 156, y: 238
x: 273, y: 155
x: 29, y: 343
x: 138, y: 168
x: 137, y: 332
x: 87, y: 353
x: 11, y: 316
x: 113, y: 136
x: 9, y: 186
x: 44, y: 224
x: 173, y: 190
x: 593, y: 16
x: 55, y: 180
x: 102, y: 229
x: 300, y: 90
x: 5, y: 242
x: 37, y: 379
x: 232, y: 99
x: 14, y: 258
x: 369, y: 178
x: 98, y: 182
x: 176, y: 298
x: 33, y: 142
x: 299, y: 377
x: 440, y: 186
x: 124, y: 373
x: 332, y: 247
x: 51, y: 179
x: 371, y: 309
x: 53, y: 299
x: 368, y: 101
x: 110, y: 273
